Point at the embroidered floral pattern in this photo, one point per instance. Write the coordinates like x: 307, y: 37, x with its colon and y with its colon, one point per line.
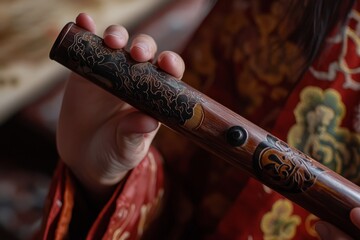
x: 266, y: 67
x: 317, y: 132
x: 343, y: 63
x: 253, y: 39
x: 310, y: 221
x: 280, y: 223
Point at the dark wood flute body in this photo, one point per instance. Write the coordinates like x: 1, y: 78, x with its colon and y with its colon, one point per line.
x: 211, y: 125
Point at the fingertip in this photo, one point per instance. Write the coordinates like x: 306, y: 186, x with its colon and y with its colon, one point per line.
x: 328, y: 231
x: 355, y: 216
x: 147, y: 124
x: 172, y: 63
x: 85, y: 21
x: 143, y: 48
x: 135, y: 133
x: 138, y: 122
x: 140, y: 53
x: 322, y: 229
x: 116, y: 36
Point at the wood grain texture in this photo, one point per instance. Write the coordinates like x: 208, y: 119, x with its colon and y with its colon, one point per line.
x: 191, y: 113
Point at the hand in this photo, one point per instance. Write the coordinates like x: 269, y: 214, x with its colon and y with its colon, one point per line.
x: 327, y: 231
x: 100, y: 137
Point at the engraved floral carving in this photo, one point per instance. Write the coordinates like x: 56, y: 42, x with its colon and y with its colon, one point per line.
x: 284, y: 168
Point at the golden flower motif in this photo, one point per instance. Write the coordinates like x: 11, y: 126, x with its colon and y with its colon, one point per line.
x: 234, y: 22
x: 310, y: 225
x: 273, y: 64
x: 318, y: 132
x: 278, y: 93
x: 280, y: 223
x: 202, y: 59
x: 266, y: 23
x: 250, y: 90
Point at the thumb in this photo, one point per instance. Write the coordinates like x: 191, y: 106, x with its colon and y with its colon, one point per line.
x: 327, y: 231
x: 355, y: 216
x: 135, y: 133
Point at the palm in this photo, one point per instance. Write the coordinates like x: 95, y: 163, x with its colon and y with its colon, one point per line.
x: 88, y: 125
x: 99, y: 136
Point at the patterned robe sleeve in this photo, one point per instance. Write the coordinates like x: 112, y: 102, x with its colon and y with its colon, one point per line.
x: 134, y: 204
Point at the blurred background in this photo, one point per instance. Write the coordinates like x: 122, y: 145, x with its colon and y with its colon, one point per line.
x: 31, y: 87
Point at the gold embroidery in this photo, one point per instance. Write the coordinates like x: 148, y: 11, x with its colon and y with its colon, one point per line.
x: 280, y: 223
x: 317, y: 132
x: 252, y: 39
x: 310, y: 225
x: 150, y: 208
x: 341, y: 63
x: 247, y: 85
x: 124, y: 236
x: 127, y: 214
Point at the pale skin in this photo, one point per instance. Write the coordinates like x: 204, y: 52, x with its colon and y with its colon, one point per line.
x: 100, y: 138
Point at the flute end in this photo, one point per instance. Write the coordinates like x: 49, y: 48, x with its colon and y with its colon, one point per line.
x: 60, y: 39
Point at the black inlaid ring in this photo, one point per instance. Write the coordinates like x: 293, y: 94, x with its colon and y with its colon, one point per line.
x: 236, y: 136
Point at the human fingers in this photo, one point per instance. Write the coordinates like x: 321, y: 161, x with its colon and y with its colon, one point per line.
x: 171, y: 63
x: 355, y: 216
x: 135, y: 133
x: 143, y: 48
x: 116, y: 36
x: 85, y: 21
x: 327, y: 231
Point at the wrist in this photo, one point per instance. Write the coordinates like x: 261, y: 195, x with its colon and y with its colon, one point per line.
x: 97, y: 186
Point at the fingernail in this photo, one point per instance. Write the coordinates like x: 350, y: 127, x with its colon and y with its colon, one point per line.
x: 322, y: 230
x: 171, y: 57
x: 142, y: 47
x: 116, y: 34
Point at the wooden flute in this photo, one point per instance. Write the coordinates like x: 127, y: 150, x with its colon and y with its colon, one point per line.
x: 212, y: 126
